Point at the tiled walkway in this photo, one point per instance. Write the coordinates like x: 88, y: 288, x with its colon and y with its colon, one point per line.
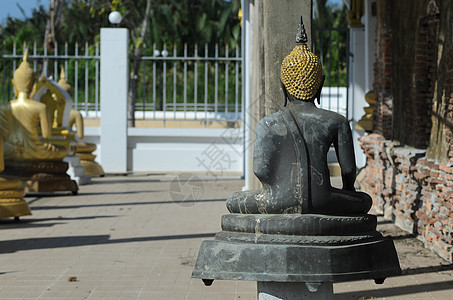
x: 135, y: 237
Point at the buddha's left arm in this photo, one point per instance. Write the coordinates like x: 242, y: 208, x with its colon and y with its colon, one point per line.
x: 345, y: 155
x: 76, y: 118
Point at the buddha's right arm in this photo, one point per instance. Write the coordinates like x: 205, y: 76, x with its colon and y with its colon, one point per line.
x: 45, y: 123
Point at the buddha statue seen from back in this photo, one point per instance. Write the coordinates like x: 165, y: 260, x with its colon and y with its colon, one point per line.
x: 291, y: 146
x: 298, y: 230
x: 21, y: 119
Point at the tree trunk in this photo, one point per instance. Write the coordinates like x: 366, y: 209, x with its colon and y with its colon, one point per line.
x: 132, y: 94
x: 54, y: 17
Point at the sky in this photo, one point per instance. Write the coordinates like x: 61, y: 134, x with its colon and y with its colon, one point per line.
x: 9, y: 8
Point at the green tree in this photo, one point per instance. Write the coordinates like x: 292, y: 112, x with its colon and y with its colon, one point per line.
x: 330, y: 44
x: 165, y: 23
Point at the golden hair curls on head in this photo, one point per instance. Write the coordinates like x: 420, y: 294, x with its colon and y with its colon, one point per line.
x: 301, y: 70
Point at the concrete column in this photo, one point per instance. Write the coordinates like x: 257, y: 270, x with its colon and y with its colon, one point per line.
x: 280, y: 20
x: 114, y: 83
x: 293, y: 291
x: 357, y: 89
x: 272, y: 29
x: 370, y: 45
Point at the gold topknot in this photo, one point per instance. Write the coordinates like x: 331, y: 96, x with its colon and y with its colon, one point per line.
x: 63, y: 83
x: 24, y: 76
x: 301, y: 73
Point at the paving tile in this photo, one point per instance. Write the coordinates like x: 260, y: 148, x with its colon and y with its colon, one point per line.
x: 124, y: 238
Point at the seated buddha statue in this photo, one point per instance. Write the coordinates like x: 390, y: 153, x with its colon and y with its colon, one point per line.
x: 22, y: 117
x: 81, y: 149
x: 48, y: 92
x: 11, y: 202
x: 28, y: 154
x: 298, y: 234
x: 291, y: 146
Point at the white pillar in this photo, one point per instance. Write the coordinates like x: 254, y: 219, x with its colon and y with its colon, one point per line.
x: 293, y: 291
x: 246, y: 43
x: 357, y: 89
x: 114, y: 83
x: 370, y: 46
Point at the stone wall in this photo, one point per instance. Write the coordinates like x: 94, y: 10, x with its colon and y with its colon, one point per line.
x: 413, y: 191
x: 409, y: 169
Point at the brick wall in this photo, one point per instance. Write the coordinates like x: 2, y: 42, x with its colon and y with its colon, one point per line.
x: 382, y: 115
x: 416, y: 193
x: 413, y: 185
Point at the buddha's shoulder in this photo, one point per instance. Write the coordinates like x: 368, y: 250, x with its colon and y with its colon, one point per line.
x: 332, y: 117
x: 272, y: 124
x: 28, y: 104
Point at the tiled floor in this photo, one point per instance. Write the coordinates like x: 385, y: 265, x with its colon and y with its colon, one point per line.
x: 136, y: 237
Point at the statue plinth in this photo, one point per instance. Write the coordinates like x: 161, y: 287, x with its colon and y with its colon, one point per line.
x: 297, y: 248
x: 11, y: 203
x: 87, y: 159
x: 42, y: 176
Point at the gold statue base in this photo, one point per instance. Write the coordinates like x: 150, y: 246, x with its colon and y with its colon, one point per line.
x: 42, y: 176
x: 12, y: 205
x: 92, y: 168
x: 13, y: 208
x: 84, y: 151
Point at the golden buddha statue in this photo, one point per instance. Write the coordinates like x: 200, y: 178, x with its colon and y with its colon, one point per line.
x: 48, y: 92
x: 22, y: 117
x: 36, y: 162
x: 82, y: 150
x: 11, y: 202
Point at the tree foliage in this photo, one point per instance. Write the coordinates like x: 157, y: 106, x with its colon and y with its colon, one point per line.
x: 172, y: 21
x: 330, y: 40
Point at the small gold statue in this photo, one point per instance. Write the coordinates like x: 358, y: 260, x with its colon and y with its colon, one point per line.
x: 53, y: 96
x: 82, y: 150
x: 36, y: 162
x: 22, y: 116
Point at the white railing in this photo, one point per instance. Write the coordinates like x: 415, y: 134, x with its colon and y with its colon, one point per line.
x: 171, y: 87
x: 82, y: 71
x: 200, y: 87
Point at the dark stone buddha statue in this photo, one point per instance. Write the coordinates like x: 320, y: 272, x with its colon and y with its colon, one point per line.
x: 291, y: 146
x: 311, y: 232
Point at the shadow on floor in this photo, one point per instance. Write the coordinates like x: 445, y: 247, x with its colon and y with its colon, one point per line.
x: 396, y: 291
x: 29, y: 221
x: 184, y: 203
x: 429, y: 269
x: 11, y: 246
x: 38, y: 196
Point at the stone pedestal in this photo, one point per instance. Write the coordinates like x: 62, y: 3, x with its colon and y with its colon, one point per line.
x: 11, y: 203
x: 42, y: 176
x: 297, y: 248
x: 76, y: 170
x: 85, y: 152
x: 293, y: 291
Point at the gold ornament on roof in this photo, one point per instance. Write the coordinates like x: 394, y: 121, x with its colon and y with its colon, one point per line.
x: 301, y: 70
x: 24, y: 76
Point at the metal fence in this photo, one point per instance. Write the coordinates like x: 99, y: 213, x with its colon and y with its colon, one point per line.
x: 206, y: 86
x: 81, y: 65
x: 196, y: 87
x: 203, y: 86
x: 332, y: 47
